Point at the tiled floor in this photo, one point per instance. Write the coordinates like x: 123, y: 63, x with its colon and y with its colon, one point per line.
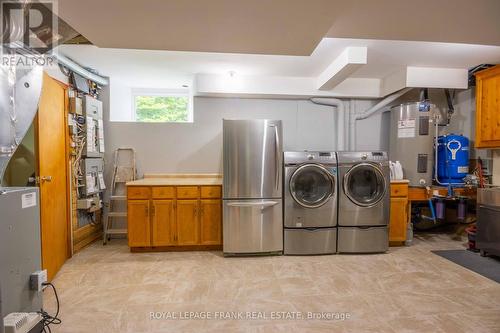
x: 409, y: 289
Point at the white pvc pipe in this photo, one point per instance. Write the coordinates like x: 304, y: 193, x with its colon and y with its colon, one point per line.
x: 345, y: 128
x: 371, y: 111
x: 346, y: 123
x: 352, y: 127
x: 383, y: 103
x: 341, y: 128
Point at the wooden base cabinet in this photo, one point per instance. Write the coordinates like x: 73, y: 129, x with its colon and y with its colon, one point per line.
x: 163, y: 223
x: 175, y: 217
x: 398, y: 224
x: 139, y: 233
x: 188, y: 224
x: 210, y: 228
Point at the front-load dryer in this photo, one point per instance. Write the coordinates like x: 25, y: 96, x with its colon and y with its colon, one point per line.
x: 310, y: 200
x: 363, y: 202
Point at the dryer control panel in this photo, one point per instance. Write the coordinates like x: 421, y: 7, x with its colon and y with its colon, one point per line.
x: 356, y: 157
x: 378, y: 156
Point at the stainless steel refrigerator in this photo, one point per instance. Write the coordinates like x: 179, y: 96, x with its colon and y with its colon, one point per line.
x: 252, y: 200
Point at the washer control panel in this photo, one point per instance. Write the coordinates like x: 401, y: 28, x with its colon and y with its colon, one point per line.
x: 298, y: 157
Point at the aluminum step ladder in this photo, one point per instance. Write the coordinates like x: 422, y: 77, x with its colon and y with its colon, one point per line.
x: 124, y: 170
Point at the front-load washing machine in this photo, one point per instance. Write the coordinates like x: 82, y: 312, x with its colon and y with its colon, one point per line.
x: 363, y: 202
x: 310, y: 201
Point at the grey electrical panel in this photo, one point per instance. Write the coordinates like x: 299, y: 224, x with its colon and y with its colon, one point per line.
x: 94, y: 127
x: 93, y: 176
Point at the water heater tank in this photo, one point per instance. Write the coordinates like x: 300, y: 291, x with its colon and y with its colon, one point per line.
x: 411, y: 141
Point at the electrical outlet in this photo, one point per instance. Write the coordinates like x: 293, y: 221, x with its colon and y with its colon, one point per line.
x: 37, y: 279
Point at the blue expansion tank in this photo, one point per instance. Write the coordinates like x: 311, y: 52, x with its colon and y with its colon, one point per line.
x: 452, y: 158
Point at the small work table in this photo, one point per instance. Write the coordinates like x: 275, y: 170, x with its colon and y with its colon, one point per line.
x: 402, y: 197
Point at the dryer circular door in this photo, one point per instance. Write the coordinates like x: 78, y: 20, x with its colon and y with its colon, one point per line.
x: 364, y: 184
x: 311, y: 185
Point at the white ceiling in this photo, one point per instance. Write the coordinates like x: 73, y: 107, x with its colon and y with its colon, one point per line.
x: 292, y: 27
x: 454, y: 21
x: 257, y: 26
x: 384, y: 58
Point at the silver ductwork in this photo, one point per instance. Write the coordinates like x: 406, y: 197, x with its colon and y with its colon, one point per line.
x: 21, y: 85
x: 20, y: 90
x: 77, y: 68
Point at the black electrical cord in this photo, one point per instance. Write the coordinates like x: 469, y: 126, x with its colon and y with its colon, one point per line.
x: 48, y: 319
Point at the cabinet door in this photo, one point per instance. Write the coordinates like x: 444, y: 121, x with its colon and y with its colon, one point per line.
x: 398, y: 221
x: 187, y: 222
x: 487, y: 108
x: 162, y: 214
x: 210, y: 222
x: 139, y: 227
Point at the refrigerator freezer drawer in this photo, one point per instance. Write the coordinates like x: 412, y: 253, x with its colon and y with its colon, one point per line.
x: 363, y: 240
x: 310, y: 241
x: 253, y: 226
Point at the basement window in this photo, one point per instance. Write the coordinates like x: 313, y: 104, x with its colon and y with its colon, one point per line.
x: 165, y: 106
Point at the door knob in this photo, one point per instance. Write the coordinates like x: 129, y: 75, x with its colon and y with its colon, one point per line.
x: 46, y: 178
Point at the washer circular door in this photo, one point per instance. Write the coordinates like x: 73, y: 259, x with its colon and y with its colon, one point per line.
x: 364, y: 184
x: 311, y: 185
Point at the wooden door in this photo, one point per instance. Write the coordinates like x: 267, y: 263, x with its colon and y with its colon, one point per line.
x: 210, y: 222
x: 139, y: 226
x: 163, y: 233
x: 52, y: 169
x: 398, y: 220
x: 488, y: 108
x: 187, y: 222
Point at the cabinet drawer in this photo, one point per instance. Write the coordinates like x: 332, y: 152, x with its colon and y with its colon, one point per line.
x: 210, y: 191
x: 164, y: 192
x: 367, y: 240
x: 138, y: 192
x: 399, y: 190
x: 187, y: 192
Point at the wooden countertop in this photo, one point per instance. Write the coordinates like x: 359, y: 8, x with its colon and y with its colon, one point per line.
x: 422, y: 194
x: 171, y: 179
x: 400, y: 181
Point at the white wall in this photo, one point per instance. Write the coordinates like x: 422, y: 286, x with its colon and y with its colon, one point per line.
x: 120, y: 101
x: 197, y: 147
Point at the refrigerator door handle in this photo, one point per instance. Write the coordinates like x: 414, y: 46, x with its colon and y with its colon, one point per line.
x: 277, y: 160
x: 263, y: 204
